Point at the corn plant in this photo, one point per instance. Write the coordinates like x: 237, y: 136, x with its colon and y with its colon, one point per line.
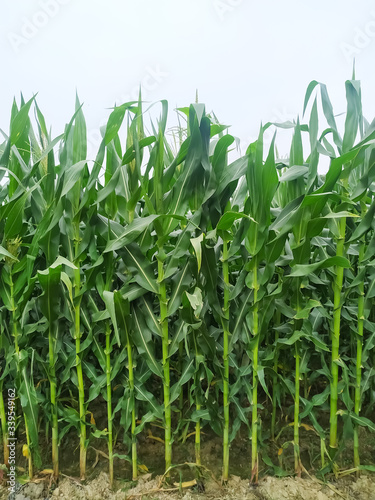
x: 188, y: 290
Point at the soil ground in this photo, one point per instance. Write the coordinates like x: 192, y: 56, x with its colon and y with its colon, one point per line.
x: 269, y: 488
x: 151, y: 459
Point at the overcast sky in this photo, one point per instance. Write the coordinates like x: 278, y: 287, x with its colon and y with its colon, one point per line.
x: 250, y: 61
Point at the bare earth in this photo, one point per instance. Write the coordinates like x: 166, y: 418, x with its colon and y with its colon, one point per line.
x: 270, y: 488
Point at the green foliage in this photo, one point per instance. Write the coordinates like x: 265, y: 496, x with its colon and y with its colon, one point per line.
x: 184, y: 288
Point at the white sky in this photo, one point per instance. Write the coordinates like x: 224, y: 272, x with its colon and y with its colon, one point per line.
x: 250, y: 61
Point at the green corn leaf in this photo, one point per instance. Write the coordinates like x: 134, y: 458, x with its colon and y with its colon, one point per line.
x: 305, y: 269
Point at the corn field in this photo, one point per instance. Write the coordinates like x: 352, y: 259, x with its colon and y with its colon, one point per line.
x: 187, y: 291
